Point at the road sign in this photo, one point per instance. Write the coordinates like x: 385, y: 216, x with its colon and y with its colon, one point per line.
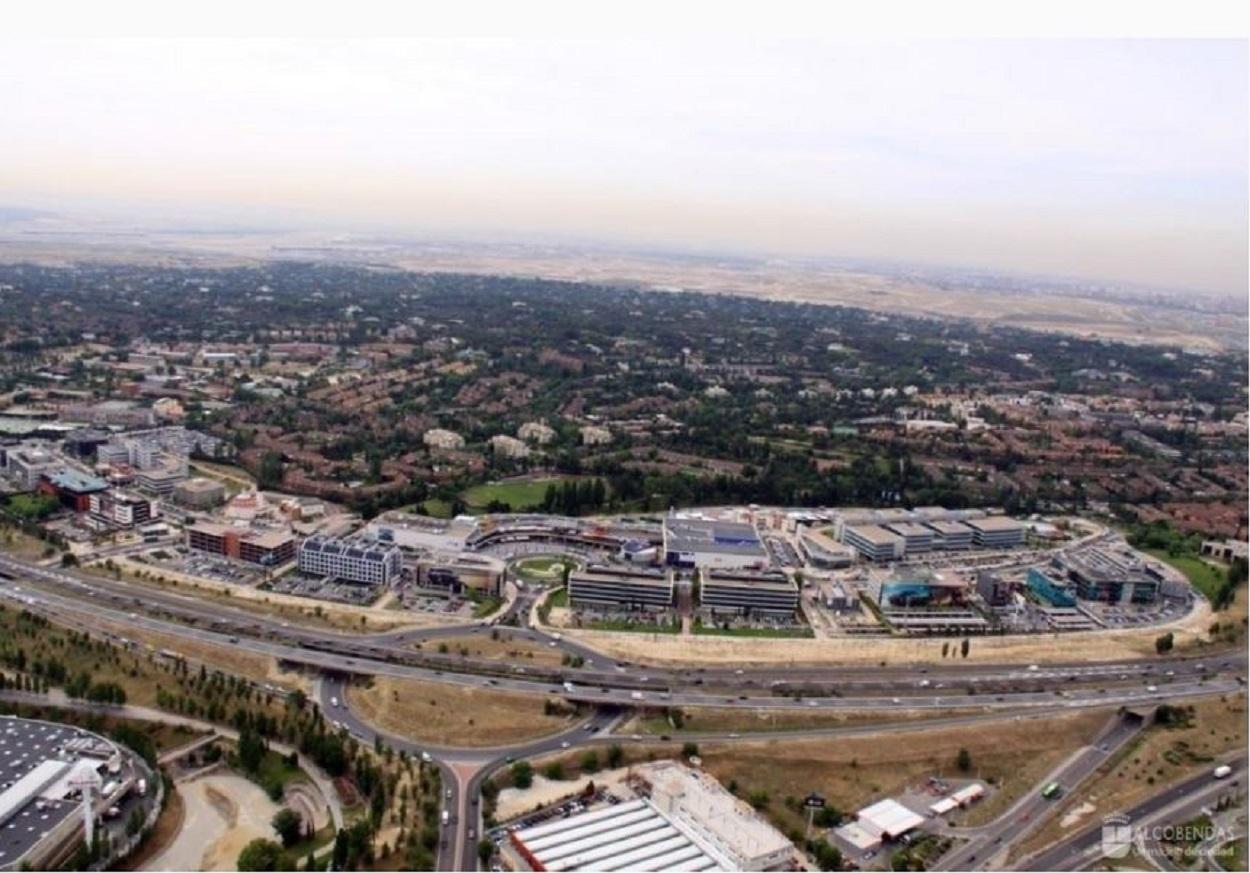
x: 814, y: 801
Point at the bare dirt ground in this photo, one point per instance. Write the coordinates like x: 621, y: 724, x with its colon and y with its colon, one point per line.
x: 224, y: 812
x: 453, y: 715
x: 1040, y: 648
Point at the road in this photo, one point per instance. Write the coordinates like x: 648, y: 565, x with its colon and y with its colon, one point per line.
x: 609, y: 686
x: 994, y: 839
x: 1080, y: 849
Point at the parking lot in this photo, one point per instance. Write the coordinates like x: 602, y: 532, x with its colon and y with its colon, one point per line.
x: 180, y: 559
x: 326, y: 588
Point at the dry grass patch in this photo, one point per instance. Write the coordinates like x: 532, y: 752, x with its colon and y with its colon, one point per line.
x: 504, y: 647
x: 1158, y: 758
x: 853, y: 771
x: 712, y: 720
x: 454, y: 715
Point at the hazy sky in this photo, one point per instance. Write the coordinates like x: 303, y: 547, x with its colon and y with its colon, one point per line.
x: 1112, y: 159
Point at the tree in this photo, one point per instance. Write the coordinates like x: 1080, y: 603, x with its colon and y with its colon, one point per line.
x: 590, y: 762
x: 616, y: 756
x: 1163, y: 644
x: 261, y: 855
x: 288, y: 825
x: 251, y: 750
x: 522, y: 774
x: 827, y: 857
x: 963, y: 761
x: 689, y: 749
x: 964, y: 646
x: 485, y: 848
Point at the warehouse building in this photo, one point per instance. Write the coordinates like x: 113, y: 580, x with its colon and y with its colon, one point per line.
x: 749, y: 592
x: 621, y: 588
x: 692, y: 542
x: 268, y: 548
x: 874, y: 543
x: 996, y: 532
x: 368, y: 563
x: 684, y: 820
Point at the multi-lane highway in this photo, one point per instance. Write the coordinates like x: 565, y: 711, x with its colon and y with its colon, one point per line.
x: 608, y: 686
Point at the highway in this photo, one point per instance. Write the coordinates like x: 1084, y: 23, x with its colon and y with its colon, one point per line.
x: 610, y: 686
x: 1079, y: 850
x: 993, y: 840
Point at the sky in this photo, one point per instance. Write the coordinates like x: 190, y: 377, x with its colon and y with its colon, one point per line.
x: 1122, y: 160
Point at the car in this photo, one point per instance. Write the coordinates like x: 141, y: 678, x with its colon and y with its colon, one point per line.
x: 565, y: 744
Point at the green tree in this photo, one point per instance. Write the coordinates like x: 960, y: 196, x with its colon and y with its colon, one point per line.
x: 522, y: 774
x: 261, y: 855
x: 963, y: 761
x: 616, y: 755
x: 288, y: 825
x: 485, y: 848
x: 1163, y: 644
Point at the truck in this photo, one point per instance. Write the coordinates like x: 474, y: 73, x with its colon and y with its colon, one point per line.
x: 1223, y: 771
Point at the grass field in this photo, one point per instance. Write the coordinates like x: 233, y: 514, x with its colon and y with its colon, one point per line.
x: 636, y: 627
x: 542, y: 569
x: 714, y: 720
x: 452, y: 715
x: 499, y: 647
x: 518, y: 495
x: 1201, y: 575
x: 436, y: 508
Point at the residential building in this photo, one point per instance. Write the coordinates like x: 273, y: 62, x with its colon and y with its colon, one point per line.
x: 594, y: 435
x: 536, y: 432
x: 509, y: 447
x: 443, y: 439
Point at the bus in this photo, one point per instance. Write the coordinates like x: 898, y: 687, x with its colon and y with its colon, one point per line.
x: 1051, y: 791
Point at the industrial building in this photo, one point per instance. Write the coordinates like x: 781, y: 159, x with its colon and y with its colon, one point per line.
x: 996, y: 532
x: 874, y: 543
x: 696, y: 542
x: 1109, y: 576
x: 748, y: 592
x: 119, y: 508
x: 457, y: 572
x: 621, y: 588
x: 884, y: 821
x: 268, y: 548
x: 369, y: 563
x: 684, y: 820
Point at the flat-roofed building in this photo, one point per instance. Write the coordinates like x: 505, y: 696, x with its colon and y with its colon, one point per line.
x: 820, y: 550
x: 950, y: 536
x: 874, y: 543
x: 996, y: 532
x: 365, y: 562
x: 200, y: 493
x: 748, y: 592
x: 688, y: 822
x: 1050, y: 588
x: 698, y: 542
x: 269, y: 548
x: 621, y: 588
x: 994, y: 589
x: 72, y: 487
x: 917, y: 538
x: 1109, y: 576
x: 464, y: 570
x: 122, y: 508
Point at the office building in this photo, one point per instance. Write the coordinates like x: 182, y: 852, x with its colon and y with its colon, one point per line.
x: 917, y: 538
x: 621, y: 588
x: 458, y: 572
x: 747, y: 592
x: 269, y: 548
x: 369, y: 563
x: 71, y: 487
x: 950, y: 536
x: 996, y: 532
x: 124, y: 509
x: 1109, y: 576
x: 1050, y: 588
x: 994, y: 589
x: 874, y: 543
x: 199, y: 493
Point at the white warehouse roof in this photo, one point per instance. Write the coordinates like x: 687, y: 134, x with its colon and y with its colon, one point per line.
x: 628, y: 836
x: 888, y: 818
